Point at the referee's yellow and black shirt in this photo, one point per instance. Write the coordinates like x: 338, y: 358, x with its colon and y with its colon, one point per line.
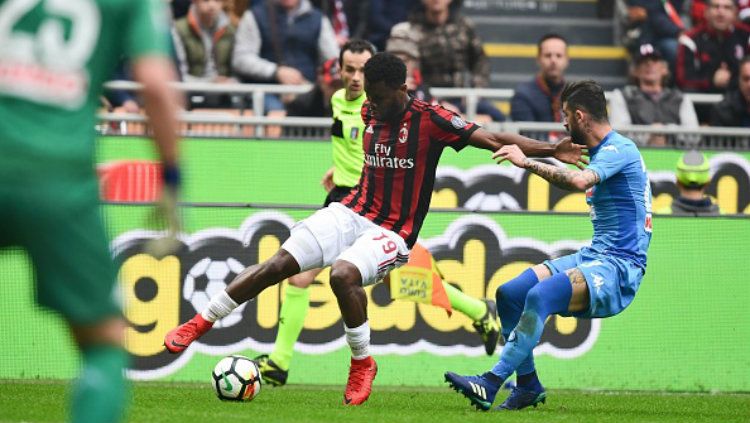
x: 346, y: 137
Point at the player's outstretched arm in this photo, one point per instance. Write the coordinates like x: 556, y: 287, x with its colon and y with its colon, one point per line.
x: 162, y: 103
x: 569, y: 179
x: 565, y: 151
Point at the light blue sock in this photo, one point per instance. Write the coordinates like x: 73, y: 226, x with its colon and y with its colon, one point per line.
x: 510, y: 298
x: 549, y: 297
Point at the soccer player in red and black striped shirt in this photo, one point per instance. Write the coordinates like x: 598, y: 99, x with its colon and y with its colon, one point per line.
x: 371, y: 231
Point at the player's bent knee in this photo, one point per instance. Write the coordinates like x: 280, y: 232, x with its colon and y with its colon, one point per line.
x: 344, y: 276
x: 304, y: 279
x: 108, y: 332
x: 501, y: 294
x: 281, y: 266
x: 301, y: 281
x: 535, y: 297
x: 542, y: 271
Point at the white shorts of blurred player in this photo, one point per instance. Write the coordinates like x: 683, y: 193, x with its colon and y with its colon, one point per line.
x: 337, y: 233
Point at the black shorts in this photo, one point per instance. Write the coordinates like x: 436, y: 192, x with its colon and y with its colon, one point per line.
x: 336, y: 195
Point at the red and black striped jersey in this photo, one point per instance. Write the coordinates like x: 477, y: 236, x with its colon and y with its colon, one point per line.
x: 401, y: 157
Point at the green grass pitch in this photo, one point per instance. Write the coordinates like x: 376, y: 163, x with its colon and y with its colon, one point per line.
x: 45, y: 401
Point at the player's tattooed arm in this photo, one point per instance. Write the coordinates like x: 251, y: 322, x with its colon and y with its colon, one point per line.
x: 572, y: 180
x: 493, y: 141
x: 565, y: 150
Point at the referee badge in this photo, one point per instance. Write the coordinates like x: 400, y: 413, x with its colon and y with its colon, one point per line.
x: 354, y: 133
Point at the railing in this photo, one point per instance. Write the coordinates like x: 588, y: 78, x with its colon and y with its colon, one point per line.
x: 704, y: 137
x: 209, y: 125
x: 256, y: 92
x: 197, y: 124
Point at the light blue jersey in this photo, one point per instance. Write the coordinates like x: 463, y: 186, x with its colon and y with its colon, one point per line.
x: 620, y: 203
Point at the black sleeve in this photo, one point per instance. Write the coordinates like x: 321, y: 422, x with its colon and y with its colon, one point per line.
x: 337, y: 129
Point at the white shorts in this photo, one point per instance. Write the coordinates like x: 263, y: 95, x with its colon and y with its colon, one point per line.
x: 337, y: 233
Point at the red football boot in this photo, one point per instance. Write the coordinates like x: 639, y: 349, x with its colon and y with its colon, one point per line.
x: 361, y: 374
x: 182, y: 336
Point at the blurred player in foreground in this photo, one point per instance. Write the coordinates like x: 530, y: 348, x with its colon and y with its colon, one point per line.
x: 346, y: 138
x: 370, y: 232
x: 597, y: 281
x: 54, y: 58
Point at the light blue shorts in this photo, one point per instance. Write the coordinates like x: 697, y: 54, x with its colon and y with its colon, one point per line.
x: 612, y: 281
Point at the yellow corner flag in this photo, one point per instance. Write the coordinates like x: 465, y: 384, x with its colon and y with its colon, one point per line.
x: 420, y: 281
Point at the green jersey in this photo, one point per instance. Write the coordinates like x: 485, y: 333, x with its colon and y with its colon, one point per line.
x: 346, y: 137
x: 55, y: 56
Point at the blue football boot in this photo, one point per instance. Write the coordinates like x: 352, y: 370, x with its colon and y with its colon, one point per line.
x: 478, y: 389
x: 520, y: 398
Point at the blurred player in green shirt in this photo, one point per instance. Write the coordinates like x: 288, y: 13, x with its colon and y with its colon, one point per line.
x: 348, y: 158
x: 54, y: 57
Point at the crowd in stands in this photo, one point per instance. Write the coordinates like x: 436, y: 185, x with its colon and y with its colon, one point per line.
x: 676, y: 46
x: 705, y: 56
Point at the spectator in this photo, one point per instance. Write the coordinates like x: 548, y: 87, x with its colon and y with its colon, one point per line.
x: 203, y: 41
x: 348, y: 17
x: 121, y: 101
x: 698, y: 12
x: 450, y: 51
x: 538, y: 100
x: 709, y: 55
x: 693, y: 176
x: 660, y: 25
x: 744, y: 14
x: 384, y: 14
x: 734, y: 109
x: 317, y: 102
x: 650, y: 101
x: 282, y: 41
x: 179, y: 8
x: 234, y: 9
x: 403, y: 44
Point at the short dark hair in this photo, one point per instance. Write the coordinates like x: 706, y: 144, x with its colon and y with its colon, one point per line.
x: 549, y: 36
x: 587, y: 96
x: 745, y: 60
x: 356, y: 45
x: 735, y: 3
x: 385, y: 67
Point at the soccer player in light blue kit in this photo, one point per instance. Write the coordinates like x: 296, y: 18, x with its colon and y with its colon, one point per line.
x: 599, y: 280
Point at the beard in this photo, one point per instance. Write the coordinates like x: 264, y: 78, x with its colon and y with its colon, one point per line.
x: 577, y: 135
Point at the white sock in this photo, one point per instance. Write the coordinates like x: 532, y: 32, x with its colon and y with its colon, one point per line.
x: 359, y: 340
x: 220, y: 306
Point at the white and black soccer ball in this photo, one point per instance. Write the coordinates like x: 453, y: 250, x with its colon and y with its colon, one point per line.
x: 207, y: 278
x: 236, y: 378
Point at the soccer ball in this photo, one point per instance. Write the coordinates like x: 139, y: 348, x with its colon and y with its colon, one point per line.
x: 236, y: 378
x: 207, y: 278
